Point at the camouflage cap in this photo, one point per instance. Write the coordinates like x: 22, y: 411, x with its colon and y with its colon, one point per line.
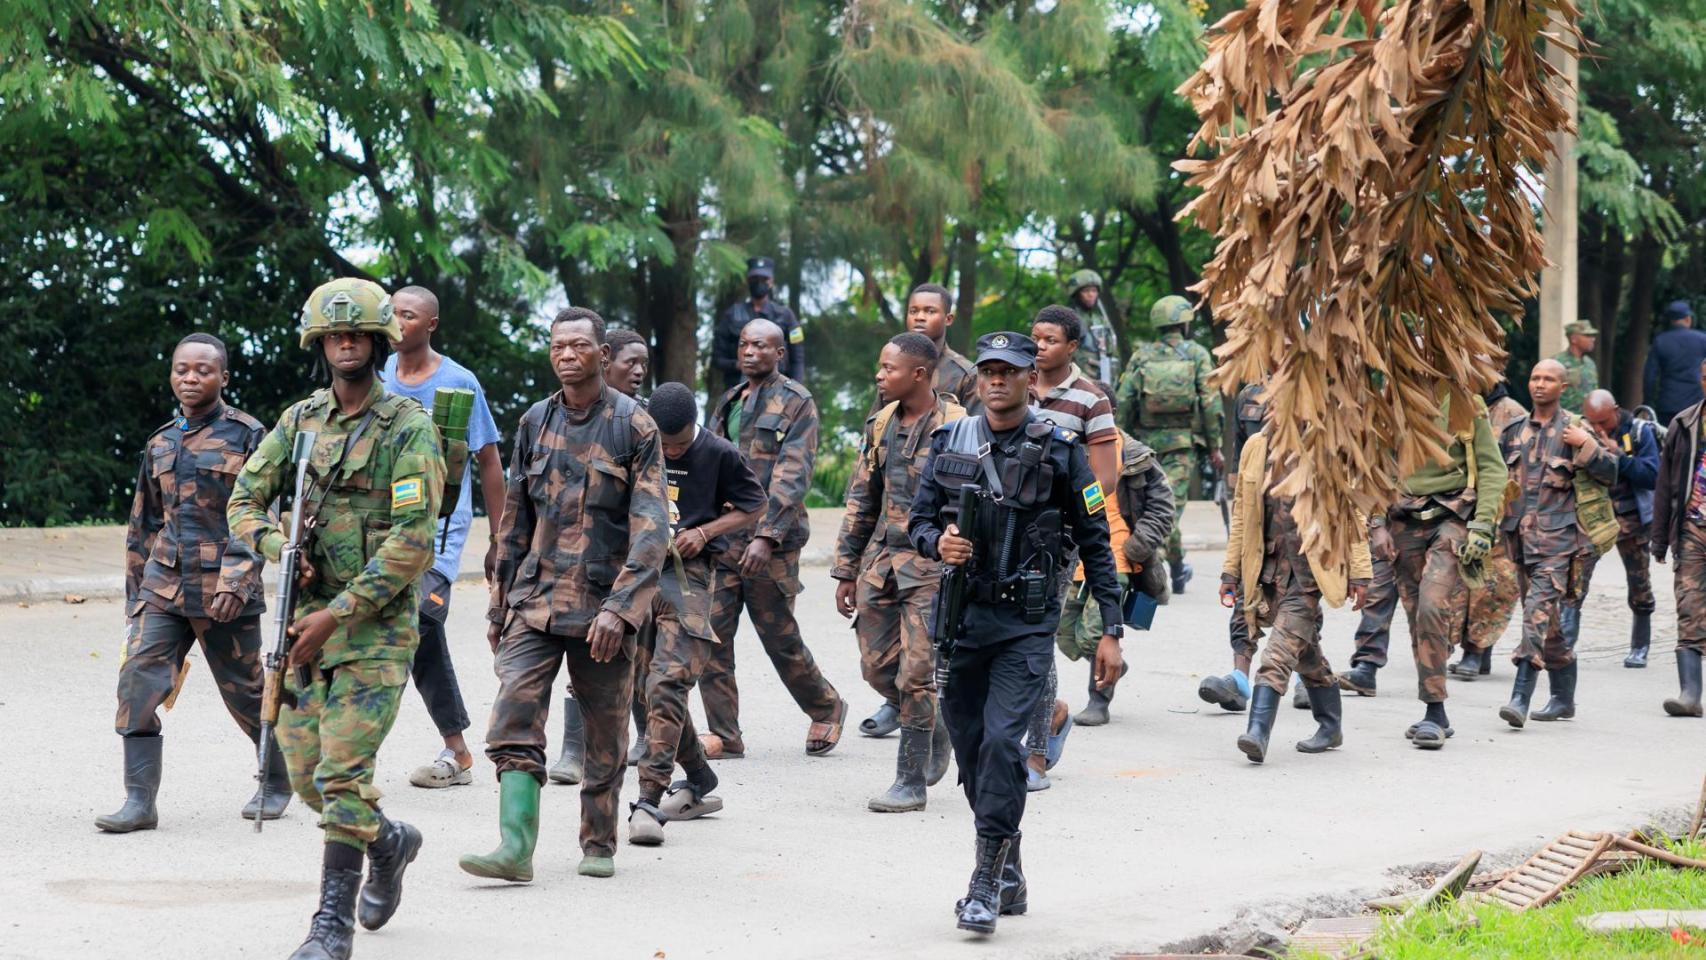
x: 348, y: 304
x: 1171, y: 312
x: 1082, y: 279
x: 1581, y: 328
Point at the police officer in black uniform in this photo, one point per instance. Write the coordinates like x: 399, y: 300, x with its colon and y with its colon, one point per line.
x: 725, y: 339
x: 1037, y: 501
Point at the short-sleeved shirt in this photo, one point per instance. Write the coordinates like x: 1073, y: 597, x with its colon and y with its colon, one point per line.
x: 710, y: 474
x: 1077, y: 404
x: 482, y: 432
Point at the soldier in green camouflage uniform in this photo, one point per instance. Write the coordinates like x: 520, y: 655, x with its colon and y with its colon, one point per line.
x: 1165, y: 401
x: 1581, y: 374
x: 884, y: 584
x: 1098, y: 353
x: 377, y: 475
x: 585, y: 532
x: 185, y: 582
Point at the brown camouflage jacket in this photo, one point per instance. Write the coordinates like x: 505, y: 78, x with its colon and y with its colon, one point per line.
x: 879, y: 498
x: 586, y: 523
x: 1543, y: 468
x: 179, y: 553
x: 778, y: 439
x: 956, y: 377
x: 1145, y: 500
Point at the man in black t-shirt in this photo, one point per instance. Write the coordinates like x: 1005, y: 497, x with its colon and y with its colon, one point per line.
x: 702, y: 472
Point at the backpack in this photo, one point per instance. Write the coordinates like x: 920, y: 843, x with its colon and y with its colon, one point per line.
x: 1594, y: 510
x: 1167, y: 382
x: 880, y: 423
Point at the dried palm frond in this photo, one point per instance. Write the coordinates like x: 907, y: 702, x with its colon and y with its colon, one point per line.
x: 1372, y: 190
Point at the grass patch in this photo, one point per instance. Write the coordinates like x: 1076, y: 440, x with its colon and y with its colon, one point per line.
x: 1550, y: 932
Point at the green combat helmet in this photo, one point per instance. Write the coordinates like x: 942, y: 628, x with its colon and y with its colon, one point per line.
x: 1174, y: 311
x: 348, y: 304
x: 1080, y: 280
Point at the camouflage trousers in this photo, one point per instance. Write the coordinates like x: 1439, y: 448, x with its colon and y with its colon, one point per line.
x: 1690, y: 561
x: 331, y: 738
x: 1374, y: 630
x: 1432, y: 590
x: 1238, y: 632
x: 527, y: 662
x: 769, y: 601
x: 681, y: 651
x: 1179, y: 464
x: 1634, y: 546
x: 895, y: 654
x: 1293, y: 615
x: 1491, y: 605
x: 1549, y: 584
x: 154, y: 654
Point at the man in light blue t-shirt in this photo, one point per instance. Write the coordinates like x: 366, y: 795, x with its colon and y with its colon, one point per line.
x: 417, y: 370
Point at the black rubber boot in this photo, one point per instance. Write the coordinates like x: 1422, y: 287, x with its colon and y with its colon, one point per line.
x: 1360, y: 679
x: 141, y: 784
x: 1640, y: 638
x: 982, y: 904
x: 1223, y: 691
x: 1561, y: 705
x: 1687, y: 704
x: 331, y: 933
x: 1515, y: 713
x: 387, y: 858
x: 1487, y: 662
x: 1325, y: 705
x: 571, y: 766
x: 278, y: 790
x: 1264, y: 704
x: 1095, y: 712
x: 941, y: 751
x: 907, y: 793
x: 1469, y: 666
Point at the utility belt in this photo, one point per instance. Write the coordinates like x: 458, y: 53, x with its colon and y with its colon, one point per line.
x: 1032, y: 591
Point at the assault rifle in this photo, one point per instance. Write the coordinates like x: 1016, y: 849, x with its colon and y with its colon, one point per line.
x: 951, y: 598
x: 284, y: 608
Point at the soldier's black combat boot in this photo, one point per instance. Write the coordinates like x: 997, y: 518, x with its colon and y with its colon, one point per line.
x: 141, y: 784
x: 1015, y: 892
x: 1561, y: 705
x: 1469, y: 667
x: 571, y: 766
x: 331, y: 933
x: 387, y: 858
x: 941, y: 751
x: 1640, y: 638
x: 1687, y: 704
x: 1095, y: 713
x: 1515, y: 713
x: 1324, y: 703
x: 982, y: 904
x: 277, y: 790
x: 1264, y: 704
x: 907, y: 794
x: 1360, y: 679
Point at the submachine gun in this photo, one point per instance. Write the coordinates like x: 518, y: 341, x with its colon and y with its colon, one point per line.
x: 284, y: 609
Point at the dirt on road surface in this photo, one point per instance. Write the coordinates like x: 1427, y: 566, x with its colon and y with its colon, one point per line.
x: 1157, y: 829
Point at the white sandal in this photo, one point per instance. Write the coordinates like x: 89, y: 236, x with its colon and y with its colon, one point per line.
x: 442, y: 772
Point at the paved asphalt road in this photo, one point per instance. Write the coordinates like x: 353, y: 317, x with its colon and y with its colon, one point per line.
x: 1156, y: 829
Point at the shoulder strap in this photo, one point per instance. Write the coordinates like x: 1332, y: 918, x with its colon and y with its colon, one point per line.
x: 879, y: 428
x: 623, y: 409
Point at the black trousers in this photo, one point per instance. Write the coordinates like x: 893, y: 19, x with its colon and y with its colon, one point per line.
x: 1374, y: 632
x: 992, y: 691
x: 435, y: 675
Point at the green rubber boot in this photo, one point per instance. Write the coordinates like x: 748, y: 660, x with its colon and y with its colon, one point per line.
x: 592, y: 866
x: 518, y: 829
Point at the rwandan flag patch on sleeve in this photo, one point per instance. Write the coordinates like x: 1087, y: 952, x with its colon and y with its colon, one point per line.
x: 407, y: 493
x: 1093, y: 501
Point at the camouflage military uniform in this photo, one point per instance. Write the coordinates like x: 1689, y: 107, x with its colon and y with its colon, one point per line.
x: 1290, y: 599
x: 1581, y: 377
x: 1491, y: 604
x: 1175, y: 437
x: 896, y: 586
x: 585, y: 531
x: 1099, y: 340
x: 178, y: 559
x: 956, y: 378
x: 1430, y: 522
x: 778, y: 437
x: 373, y: 540
x: 1542, y: 532
x: 1146, y: 513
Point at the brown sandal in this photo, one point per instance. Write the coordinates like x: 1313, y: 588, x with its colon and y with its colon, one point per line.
x: 716, y: 749
x: 823, y: 735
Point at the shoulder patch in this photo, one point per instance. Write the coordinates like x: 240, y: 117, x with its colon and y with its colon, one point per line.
x: 1093, y: 499
x: 1067, y: 436
x: 407, y: 493
x: 797, y: 334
